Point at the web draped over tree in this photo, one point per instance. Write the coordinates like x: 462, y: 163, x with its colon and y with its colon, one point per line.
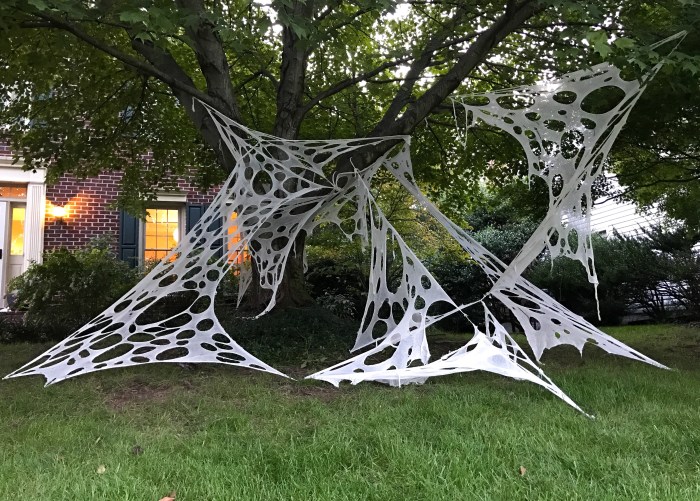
x: 281, y: 189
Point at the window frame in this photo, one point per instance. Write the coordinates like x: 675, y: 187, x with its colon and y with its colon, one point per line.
x: 181, y: 216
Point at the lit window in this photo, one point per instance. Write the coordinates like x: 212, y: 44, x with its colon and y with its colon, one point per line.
x: 234, y: 256
x: 162, y: 232
x: 17, y: 231
x: 8, y: 190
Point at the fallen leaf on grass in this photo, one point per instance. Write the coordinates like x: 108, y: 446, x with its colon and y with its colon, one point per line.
x: 101, y: 469
x: 522, y: 471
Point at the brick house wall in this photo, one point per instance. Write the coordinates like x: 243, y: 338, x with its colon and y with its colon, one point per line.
x: 91, y: 206
x: 91, y: 212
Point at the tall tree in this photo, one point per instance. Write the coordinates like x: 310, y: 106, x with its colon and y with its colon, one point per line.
x: 89, y: 85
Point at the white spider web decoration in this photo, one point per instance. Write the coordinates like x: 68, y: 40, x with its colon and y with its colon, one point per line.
x: 281, y: 188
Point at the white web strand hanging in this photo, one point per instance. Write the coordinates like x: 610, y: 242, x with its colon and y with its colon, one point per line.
x: 566, y: 127
x: 281, y: 188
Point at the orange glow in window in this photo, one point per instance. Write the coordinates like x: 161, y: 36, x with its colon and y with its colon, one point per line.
x: 17, y: 231
x: 162, y: 231
x: 235, y: 257
x: 8, y: 190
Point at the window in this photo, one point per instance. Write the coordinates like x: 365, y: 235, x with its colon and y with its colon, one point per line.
x: 165, y: 224
x: 235, y: 257
x: 161, y: 231
x: 8, y: 190
x: 17, y: 231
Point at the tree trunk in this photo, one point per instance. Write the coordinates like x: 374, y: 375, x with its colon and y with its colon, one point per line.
x: 292, y: 291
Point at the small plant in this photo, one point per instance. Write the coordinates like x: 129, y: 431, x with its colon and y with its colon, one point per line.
x: 13, y: 329
x: 339, y: 304
x: 70, y: 287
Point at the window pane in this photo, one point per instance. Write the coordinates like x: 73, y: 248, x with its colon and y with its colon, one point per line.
x: 162, y: 232
x: 151, y: 242
x: 235, y: 255
x: 17, y: 231
x: 12, y: 191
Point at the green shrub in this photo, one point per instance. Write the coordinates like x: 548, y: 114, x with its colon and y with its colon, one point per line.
x: 339, y: 285
x: 567, y: 282
x: 657, y: 272
x: 70, y: 287
x: 310, y: 336
x: 13, y: 329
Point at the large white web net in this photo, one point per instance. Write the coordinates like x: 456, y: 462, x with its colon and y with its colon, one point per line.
x: 281, y: 189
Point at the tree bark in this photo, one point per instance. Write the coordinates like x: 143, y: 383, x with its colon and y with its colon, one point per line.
x: 292, y: 291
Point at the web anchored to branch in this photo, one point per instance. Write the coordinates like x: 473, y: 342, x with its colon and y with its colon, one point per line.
x: 281, y: 189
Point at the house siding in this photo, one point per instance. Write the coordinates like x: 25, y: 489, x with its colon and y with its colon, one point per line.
x: 623, y: 218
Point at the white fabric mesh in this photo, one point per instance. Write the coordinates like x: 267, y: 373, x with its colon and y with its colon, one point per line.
x: 566, y: 144
x: 566, y: 127
x: 274, y: 194
x: 281, y: 189
x: 545, y: 322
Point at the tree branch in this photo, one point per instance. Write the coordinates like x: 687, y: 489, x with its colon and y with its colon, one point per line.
x: 349, y: 82
x: 417, y: 67
x: 440, y: 90
x: 365, y: 77
x: 164, y: 62
x: 290, y: 92
x: 133, y: 62
x: 212, y: 59
x: 263, y: 72
x: 475, y: 55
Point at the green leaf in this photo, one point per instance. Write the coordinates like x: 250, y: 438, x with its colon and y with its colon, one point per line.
x: 691, y: 66
x: 134, y: 16
x: 263, y: 24
x: 144, y: 36
x: 599, y: 42
x: 624, y: 43
x: 39, y: 4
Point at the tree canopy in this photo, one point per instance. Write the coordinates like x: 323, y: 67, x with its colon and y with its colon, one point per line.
x: 94, y: 85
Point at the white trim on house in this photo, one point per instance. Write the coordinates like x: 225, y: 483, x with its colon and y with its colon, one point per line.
x: 10, y: 173
x: 35, y: 180
x: 34, y: 224
x: 172, y: 197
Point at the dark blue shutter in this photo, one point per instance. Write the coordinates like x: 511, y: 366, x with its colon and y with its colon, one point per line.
x: 194, y: 214
x: 218, y: 244
x: 128, y: 238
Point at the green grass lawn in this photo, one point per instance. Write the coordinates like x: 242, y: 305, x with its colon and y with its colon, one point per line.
x: 220, y: 433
